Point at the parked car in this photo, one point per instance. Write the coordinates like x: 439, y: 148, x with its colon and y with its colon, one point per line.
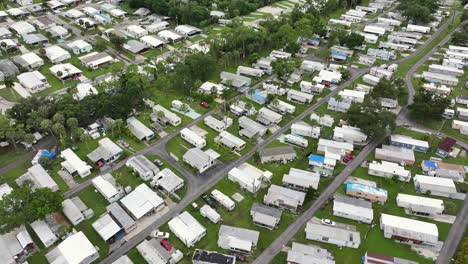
x: 158, y: 234
x: 239, y: 256
x: 348, y: 157
x: 158, y: 162
x: 204, y: 104
x: 165, y: 244
x: 327, y: 222
x: 207, y: 199
x: 101, y: 163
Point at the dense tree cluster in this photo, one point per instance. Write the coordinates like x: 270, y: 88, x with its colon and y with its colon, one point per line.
x: 351, y: 40
x: 428, y: 106
x: 393, y: 89
x: 25, y: 205
x: 197, y: 12
x: 418, y: 11
x: 371, y: 118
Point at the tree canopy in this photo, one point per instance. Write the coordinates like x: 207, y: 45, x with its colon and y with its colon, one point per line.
x: 371, y: 118
x: 24, y: 206
x: 428, y: 105
x: 419, y: 11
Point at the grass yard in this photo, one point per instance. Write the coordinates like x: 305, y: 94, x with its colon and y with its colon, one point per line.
x: 10, y: 154
x: 10, y: 95
x: 155, y: 52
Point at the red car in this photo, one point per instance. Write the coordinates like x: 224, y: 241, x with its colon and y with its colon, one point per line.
x: 101, y: 164
x: 327, y: 84
x: 165, y: 244
x: 204, y: 104
x: 348, y: 157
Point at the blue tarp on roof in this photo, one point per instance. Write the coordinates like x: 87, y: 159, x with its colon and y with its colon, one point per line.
x: 316, y: 158
x: 431, y: 164
x: 46, y: 153
x: 336, y: 54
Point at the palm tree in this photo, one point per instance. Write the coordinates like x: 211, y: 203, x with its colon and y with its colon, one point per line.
x: 85, y: 137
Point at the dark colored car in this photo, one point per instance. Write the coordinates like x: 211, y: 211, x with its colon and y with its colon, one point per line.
x: 207, y: 199
x: 165, y: 244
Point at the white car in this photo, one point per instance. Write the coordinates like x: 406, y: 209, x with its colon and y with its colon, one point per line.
x: 157, y: 234
x: 327, y: 222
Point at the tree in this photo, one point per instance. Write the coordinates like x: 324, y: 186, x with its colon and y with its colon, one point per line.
x: 428, y: 105
x: 72, y: 122
x: 85, y: 137
x: 59, y: 130
x: 117, y: 125
x: 117, y: 41
x: 9, y: 83
x: 460, y: 38
x: 351, y: 40
x: 46, y: 125
x: 46, y: 162
x: 371, y: 118
x: 59, y: 118
x: 345, y: 73
x: 282, y: 68
x: 25, y: 205
x: 101, y: 44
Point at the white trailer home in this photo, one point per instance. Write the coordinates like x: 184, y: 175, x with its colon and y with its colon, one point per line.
x: 301, y: 180
x: 167, y: 116
x: 450, y: 62
x: 332, y: 22
x: 349, y: 134
x: 418, y: 29
x: 334, y: 149
x: 210, y: 213
x: 237, y: 239
x: 440, y: 78
x: 379, y: 31
x: 402, y: 40
x: 282, y: 107
x: 381, y: 72
x: 409, y: 143
x: 308, y: 87
x: 434, y: 185
x: 303, y: 129
x: 341, y: 235
x: 284, y: 198
x: 143, y: 166
x: 193, y: 138
x: 265, y: 216
x: 353, y: 208
x: 364, y: 88
x: 438, y: 89
x: 352, y: 95
x: 369, y: 38
x: 394, y: 46
x: 352, y: 19
x: 74, y: 165
x: 230, y: 141
x: 312, y: 66
x: 456, y: 55
x: 389, y: 21
x: 223, y: 199
x: 106, y: 186
x: 299, y: 97
x: 367, y: 9
x: 395, y: 154
x: 371, y: 79
x: 250, y: 128
x: 459, y: 49
x: 248, y: 180
x: 462, y: 126
x: 296, y: 140
x: 218, y: 125
x: 409, y: 230
x: 139, y: 129
x: 419, y: 205
x: 181, y: 106
x: 252, y: 72
x: 453, y: 71
x: 187, y: 229
x: 389, y: 170
x: 267, y: 116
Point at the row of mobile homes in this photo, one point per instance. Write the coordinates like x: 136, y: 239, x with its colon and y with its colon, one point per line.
x: 301, y: 180
x: 420, y: 205
x: 341, y: 235
x: 395, y: 154
x: 265, y: 216
x: 143, y: 167
x: 409, y: 143
x: 367, y: 192
x: 284, y: 198
x: 218, y: 125
x: 198, y: 159
x: 389, y: 170
x: 106, y: 185
x: 210, y: 213
x: 223, y: 199
x: 409, y: 230
x: 349, y: 134
x: 193, y: 138
x: 434, y: 186
x: 230, y: 141
x: 305, y: 130
x: 187, y: 229
x: 440, y: 89
x: 353, y: 208
x: 237, y: 239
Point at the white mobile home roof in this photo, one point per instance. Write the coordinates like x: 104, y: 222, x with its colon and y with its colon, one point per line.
x: 44, y: 232
x: 409, y: 140
x: 66, y: 252
x: 74, y: 161
x: 302, y: 178
x: 139, y: 129
x: 238, y: 238
x: 409, y: 228
x: 186, y: 228
x: 152, y: 41
x: 460, y: 49
x: 448, y: 183
x: 445, y: 69
x: 106, y: 227
x: 104, y: 187
x: 416, y: 28
x: 141, y: 201
x: 167, y: 34
x: 413, y: 201
x: 374, y: 30
x: 169, y: 181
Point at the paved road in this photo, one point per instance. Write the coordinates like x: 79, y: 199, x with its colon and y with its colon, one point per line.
x: 269, y: 253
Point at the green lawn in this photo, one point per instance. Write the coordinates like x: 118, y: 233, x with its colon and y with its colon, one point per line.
x: 10, y: 95
x: 10, y: 154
